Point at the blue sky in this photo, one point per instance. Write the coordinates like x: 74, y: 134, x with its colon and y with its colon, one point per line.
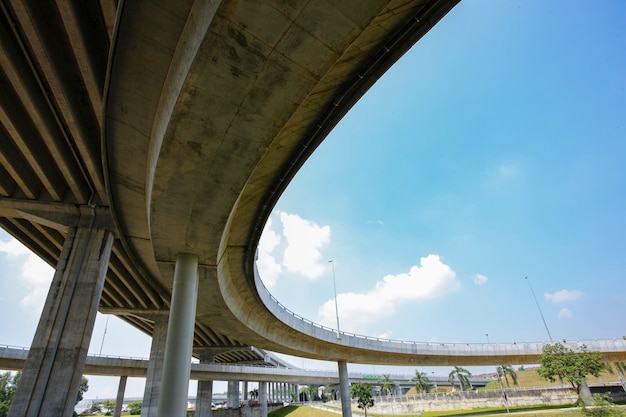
x: 493, y: 151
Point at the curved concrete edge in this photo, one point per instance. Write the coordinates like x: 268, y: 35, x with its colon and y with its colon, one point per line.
x: 263, y: 315
x: 200, y: 16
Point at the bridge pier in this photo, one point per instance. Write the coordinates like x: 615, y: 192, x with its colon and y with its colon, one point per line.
x: 119, y: 400
x: 233, y: 394
x: 263, y: 397
x: 344, y: 389
x: 179, y: 341
x: 204, y: 396
x: 54, y: 368
x: 154, y: 372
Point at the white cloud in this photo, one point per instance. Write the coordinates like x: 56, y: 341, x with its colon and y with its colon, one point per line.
x: 431, y: 279
x: 385, y: 335
x: 304, y: 240
x: 269, y: 269
x: 35, y: 276
x: 479, y: 279
x: 13, y: 248
x: 563, y: 296
x: 565, y: 313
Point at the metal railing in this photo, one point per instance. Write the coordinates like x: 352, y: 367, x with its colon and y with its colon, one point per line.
x: 603, y: 345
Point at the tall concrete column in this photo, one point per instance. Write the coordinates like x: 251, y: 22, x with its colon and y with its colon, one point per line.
x: 119, y: 401
x: 263, y: 398
x: 344, y: 389
x: 179, y: 343
x: 204, y: 396
x: 154, y: 373
x: 245, y: 391
x: 54, y: 367
x: 233, y: 394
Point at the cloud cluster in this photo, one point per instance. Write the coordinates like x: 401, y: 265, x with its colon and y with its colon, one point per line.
x: 35, y: 275
x: 304, y: 240
x: 301, y: 252
x: 432, y: 278
x: 269, y: 269
x: 479, y: 279
x: 563, y: 296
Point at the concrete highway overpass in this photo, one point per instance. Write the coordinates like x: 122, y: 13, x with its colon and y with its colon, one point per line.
x: 143, y: 145
x: 13, y: 358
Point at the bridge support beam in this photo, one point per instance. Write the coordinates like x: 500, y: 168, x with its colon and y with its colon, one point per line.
x: 179, y: 342
x: 344, y: 389
x: 119, y: 400
x: 204, y: 396
x: 263, y: 397
x: 233, y: 394
x: 54, y: 368
x: 154, y: 372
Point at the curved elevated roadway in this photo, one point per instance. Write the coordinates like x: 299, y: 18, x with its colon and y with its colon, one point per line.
x: 180, y: 124
x: 200, y: 144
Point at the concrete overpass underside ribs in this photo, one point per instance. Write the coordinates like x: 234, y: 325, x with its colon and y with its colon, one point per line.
x: 132, y: 132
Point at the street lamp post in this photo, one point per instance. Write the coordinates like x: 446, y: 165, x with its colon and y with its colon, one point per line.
x: 506, y: 400
x: 539, y: 308
x: 335, y: 292
x: 435, y: 384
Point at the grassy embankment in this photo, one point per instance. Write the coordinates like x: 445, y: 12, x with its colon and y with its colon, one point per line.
x: 527, y: 379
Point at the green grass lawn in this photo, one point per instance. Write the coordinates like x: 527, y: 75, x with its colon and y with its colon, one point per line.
x: 305, y: 411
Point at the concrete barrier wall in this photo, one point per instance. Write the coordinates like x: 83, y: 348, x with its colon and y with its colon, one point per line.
x: 472, y: 399
x: 238, y: 412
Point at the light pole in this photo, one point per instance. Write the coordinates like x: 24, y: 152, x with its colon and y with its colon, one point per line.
x: 335, y: 292
x: 539, y: 308
x: 506, y: 400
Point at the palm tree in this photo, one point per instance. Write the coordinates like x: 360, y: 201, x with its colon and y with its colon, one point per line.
x: 254, y: 394
x: 462, y: 375
x: 310, y: 392
x: 422, y: 383
x: 506, y: 371
x: 387, y: 385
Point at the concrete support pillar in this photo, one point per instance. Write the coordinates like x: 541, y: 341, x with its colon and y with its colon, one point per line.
x: 204, y: 397
x: 154, y: 373
x: 119, y: 400
x: 179, y: 343
x: 344, y: 389
x: 245, y: 391
x: 233, y: 394
x: 263, y: 398
x: 54, y: 367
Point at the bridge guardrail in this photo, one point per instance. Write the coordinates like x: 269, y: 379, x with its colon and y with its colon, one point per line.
x: 605, y: 345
